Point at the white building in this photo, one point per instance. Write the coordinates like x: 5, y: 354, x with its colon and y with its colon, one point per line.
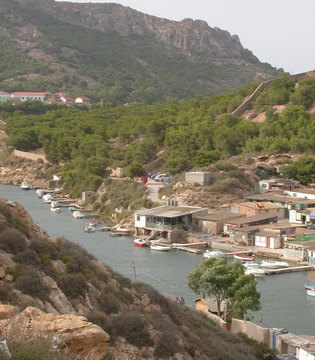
x: 25, y: 96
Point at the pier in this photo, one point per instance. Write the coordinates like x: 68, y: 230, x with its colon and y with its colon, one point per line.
x: 289, y: 269
x: 188, y: 247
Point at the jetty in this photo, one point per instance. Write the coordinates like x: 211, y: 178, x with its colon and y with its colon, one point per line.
x: 84, y: 214
x: 189, y: 247
x: 289, y: 269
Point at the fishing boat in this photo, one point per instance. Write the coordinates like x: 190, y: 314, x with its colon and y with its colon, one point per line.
x: 158, y: 247
x: 309, y: 286
x: 213, y: 254
x: 273, y: 264
x: 55, y: 209
x: 244, y: 257
x: 92, y: 222
x: 25, y: 186
x: 253, y: 268
x: 141, y: 242
x: 89, y: 229
x: 310, y: 292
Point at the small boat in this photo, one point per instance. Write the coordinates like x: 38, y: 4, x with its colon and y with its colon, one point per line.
x: 40, y: 193
x: 89, y: 229
x: 273, y: 264
x: 213, y: 254
x: 244, y: 257
x: 309, y: 286
x: 124, y: 231
x: 253, y: 268
x: 25, y: 186
x: 104, y: 228
x: 55, y: 209
x: 48, y: 198
x: 158, y: 247
x: 92, y: 223
x: 114, y: 234
x: 310, y: 292
x: 141, y: 243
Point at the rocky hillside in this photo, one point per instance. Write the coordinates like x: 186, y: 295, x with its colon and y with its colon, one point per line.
x: 116, y: 54
x: 57, y: 283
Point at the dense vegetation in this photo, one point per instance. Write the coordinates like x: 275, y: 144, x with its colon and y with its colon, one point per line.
x: 43, y: 53
x: 193, y: 133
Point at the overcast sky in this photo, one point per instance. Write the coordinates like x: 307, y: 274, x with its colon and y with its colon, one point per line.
x: 280, y: 32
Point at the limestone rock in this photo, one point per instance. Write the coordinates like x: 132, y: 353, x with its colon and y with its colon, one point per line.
x: 7, y: 311
x: 56, y: 297
x: 6, y: 259
x: 75, y: 332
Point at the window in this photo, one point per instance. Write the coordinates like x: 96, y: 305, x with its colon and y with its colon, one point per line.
x: 138, y: 217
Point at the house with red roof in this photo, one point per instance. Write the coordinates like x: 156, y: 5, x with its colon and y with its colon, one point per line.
x: 82, y: 100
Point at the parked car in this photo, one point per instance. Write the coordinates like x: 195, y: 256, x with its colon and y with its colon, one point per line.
x: 160, y: 177
x: 167, y: 180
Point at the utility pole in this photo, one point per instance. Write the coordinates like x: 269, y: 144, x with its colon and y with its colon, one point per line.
x: 134, y: 270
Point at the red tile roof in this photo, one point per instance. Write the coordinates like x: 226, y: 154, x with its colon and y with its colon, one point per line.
x: 29, y: 93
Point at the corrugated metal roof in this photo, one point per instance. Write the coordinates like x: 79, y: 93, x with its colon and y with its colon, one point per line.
x: 169, y: 211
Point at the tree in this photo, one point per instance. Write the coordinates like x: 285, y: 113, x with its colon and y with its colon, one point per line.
x: 135, y: 169
x: 226, y: 282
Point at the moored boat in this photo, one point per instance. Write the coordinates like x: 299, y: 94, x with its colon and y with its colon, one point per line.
x: 244, y: 257
x: 89, y: 229
x: 310, y: 292
x: 92, y: 223
x: 213, y: 254
x: 273, y: 264
x: 55, y: 209
x: 141, y: 242
x: 25, y: 186
x: 309, y: 286
x: 158, y: 247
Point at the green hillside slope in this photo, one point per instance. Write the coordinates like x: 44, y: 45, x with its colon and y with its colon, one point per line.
x: 42, y: 51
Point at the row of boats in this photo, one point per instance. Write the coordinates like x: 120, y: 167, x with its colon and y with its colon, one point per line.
x: 153, y: 246
x: 251, y: 265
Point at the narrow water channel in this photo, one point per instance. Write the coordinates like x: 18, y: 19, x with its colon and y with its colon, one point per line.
x: 283, y: 298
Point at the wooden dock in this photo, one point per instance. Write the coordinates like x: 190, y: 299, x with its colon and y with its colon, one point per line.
x: 187, y: 248
x: 289, y: 269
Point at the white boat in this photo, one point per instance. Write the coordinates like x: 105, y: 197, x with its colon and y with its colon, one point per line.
x: 309, y: 286
x: 213, y: 254
x: 310, y: 292
x: 158, y: 247
x: 273, y: 264
x: 257, y: 272
x: 55, y: 209
x: 48, y: 198
x: 89, y: 229
x: 25, y: 186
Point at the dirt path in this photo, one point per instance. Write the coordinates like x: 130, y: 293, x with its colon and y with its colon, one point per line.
x: 30, y: 156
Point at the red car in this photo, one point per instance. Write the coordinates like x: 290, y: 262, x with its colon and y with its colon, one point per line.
x: 144, y: 179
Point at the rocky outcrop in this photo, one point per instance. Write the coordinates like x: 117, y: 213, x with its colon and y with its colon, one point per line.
x: 74, y: 332
x: 194, y: 37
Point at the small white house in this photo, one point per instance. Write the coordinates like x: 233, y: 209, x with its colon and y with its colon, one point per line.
x: 268, y: 239
x: 301, y: 193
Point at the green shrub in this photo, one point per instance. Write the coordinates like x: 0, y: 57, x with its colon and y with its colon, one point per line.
x: 73, y: 285
x: 28, y: 257
x: 167, y: 345
x: 109, y: 303
x: 31, y: 283
x: 12, y: 241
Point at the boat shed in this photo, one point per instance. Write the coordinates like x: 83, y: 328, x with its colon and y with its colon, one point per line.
x: 212, y: 223
x: 166, y: 220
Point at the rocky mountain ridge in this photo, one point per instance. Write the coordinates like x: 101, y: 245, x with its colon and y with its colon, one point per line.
x: 117, y: 54
x: 193, y: 37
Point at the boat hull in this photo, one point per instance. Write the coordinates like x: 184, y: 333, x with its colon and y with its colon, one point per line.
x: 141, y: 243
x: 244, y: 257
x: 310, y: 292
x: 160, y: 248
